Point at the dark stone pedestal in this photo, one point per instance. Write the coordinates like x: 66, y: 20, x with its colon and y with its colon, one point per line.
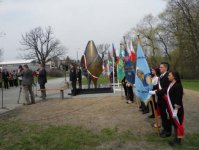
x: 94, y: 90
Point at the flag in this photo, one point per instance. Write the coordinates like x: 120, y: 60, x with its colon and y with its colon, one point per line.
x: 129, y: 69
x: 109, y: 57
x: 120, y: 69
x: 143, y: 82
x: 110, y: 66
x: 132, y: 54
x: 104, y: 72
x: 115, y: 57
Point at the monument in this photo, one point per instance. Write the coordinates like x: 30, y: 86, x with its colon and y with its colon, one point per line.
x: 91, y: 63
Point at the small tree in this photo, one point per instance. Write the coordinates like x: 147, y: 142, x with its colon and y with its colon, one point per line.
x: 41, y: 45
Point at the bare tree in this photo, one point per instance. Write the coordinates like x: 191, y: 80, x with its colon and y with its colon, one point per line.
x: 103, y: 48
x: 42, y: 45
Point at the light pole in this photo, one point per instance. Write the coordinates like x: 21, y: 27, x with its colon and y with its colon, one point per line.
x: 77, y: 55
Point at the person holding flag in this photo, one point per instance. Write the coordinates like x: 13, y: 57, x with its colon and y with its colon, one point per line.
x: 130, y: 76
x: 161, y: 92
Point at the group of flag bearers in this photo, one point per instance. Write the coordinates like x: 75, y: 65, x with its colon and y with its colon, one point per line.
x: 159, y: 86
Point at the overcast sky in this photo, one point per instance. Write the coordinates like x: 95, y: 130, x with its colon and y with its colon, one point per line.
x: 74, y: 22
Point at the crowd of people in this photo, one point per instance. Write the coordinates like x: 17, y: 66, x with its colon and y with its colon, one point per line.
x: 24, y: 78
x: 166, y: 103
x: 9, y: 78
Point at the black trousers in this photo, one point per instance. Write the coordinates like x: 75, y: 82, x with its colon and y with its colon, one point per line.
x: 80, y: 84
x: 130, y: 93
x: 43, y: 93
x: 74, y: 91
x: 166, y: 121
x: 5, y: 84
x: 125, y: 89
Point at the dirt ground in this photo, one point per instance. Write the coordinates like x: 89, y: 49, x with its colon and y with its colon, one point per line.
x: 96, y: 113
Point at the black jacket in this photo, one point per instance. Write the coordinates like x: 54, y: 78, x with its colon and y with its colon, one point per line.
x: 42, y: 77
x: 79, y: 74
x: 73, y: 75
x: 164, y: 82
x: 176, y: 95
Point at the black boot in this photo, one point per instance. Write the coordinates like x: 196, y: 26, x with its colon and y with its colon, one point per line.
x: 175, y: 142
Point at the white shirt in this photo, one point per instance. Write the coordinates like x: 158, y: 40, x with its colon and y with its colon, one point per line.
x: 162, y: 74
x: 155, y: 80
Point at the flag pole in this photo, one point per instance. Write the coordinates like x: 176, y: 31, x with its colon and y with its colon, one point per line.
x: 118, y: 81
x: 156, y: 117
x: 113, y: 76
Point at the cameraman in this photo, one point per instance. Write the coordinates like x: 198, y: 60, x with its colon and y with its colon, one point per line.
x: 20, y: 69
x: 27, y: 81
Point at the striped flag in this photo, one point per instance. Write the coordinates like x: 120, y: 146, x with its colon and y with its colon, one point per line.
x: 132, y: 54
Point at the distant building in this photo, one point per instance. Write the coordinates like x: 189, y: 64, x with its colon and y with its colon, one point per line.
x: 13, y: 65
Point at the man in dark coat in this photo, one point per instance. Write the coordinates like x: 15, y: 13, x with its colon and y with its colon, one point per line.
x: 27, y: 81
x: 79, y: 77
x: 5, y: 77
x: 162, y: 90
x: 42, y: 80
x: 73, y: 79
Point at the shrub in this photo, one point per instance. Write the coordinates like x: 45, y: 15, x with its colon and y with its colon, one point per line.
x: 55, y: 73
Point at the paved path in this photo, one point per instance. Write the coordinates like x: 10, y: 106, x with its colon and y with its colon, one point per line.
x: 10, y: 96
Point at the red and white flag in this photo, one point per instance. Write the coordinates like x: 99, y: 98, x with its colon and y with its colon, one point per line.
x: 132, y: 54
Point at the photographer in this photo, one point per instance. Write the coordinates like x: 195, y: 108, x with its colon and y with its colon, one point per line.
x: 27, y: 81
x: 20, y: 69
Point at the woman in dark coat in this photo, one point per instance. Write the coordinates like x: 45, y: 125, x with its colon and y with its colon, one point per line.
x: 175, y: 106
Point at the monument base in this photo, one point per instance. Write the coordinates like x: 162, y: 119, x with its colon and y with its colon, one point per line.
x: 94, y: 90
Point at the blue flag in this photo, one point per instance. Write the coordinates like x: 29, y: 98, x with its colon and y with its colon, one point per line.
x: 129, y: 69
x: 143, y: 82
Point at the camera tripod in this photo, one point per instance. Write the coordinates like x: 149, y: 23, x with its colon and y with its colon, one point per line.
x: 20, y: 90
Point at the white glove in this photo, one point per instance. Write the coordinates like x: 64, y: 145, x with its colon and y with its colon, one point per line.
x: 152, y: 92
x: 175, y: 111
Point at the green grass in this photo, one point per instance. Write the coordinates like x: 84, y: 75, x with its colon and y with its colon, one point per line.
x: 101, y: 80
x: 17, y: 136
x: 191, y: 84
x: 49, y: 77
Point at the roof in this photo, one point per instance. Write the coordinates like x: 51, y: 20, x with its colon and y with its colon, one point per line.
x: 21, y: 61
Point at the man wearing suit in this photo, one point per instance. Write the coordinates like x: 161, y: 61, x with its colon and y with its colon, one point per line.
x: 79, y: 77
x: 27, y: 81
x: 42, y: 80
x: 162, y: 90
x: 73, y: 79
